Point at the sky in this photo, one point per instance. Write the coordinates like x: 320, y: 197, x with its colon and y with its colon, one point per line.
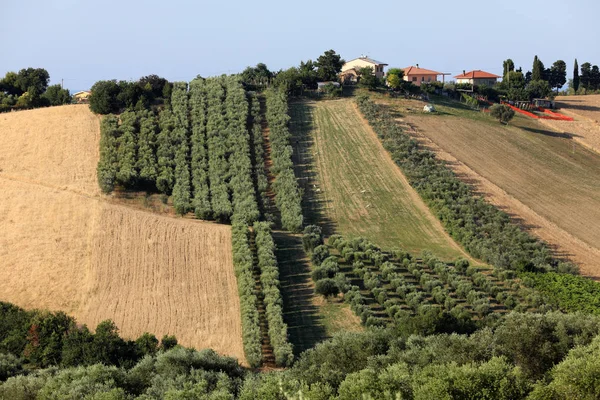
x: 81, y: 41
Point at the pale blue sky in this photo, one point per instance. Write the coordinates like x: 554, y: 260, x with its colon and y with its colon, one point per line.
x: 88, y: 40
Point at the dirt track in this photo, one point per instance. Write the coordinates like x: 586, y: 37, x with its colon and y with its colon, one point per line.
x: 64, y: 247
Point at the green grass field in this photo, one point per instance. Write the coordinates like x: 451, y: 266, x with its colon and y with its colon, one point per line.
x: 352, y: 186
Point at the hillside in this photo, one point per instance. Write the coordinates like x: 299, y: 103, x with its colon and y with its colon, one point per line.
x: 66, y: 247
x: 357, y: 188
x: 586, y: 127
x: 542, y: 178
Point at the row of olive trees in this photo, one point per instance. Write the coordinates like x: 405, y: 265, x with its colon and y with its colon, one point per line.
x: 287, y: 193
x: 243, y: 266
x: 259, y: 167
x: 485, y: 232
x: 269, y: 278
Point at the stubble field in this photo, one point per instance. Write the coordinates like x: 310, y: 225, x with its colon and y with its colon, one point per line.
x: 64, y: 246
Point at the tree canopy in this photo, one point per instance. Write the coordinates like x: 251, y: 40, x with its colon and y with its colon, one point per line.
x: 329, y: 65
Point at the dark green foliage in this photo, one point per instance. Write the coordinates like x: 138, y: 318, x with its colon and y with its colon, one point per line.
x: 329, y: 65
x: 199, y: 161
x: 558, y: 75
x: 147, y: 344
x: 313, y: 237
x: 168, y: 342
x: 108, y: 164
x: 576, y: 76
x: 482, y: 229
x: 55, y: 95
x: 259, y: 167
x: 502, y: 113
x: 327, y: 287
x: 103, y: 99
x: 165, y: 152
x: 146, y: 156
x: 242, y: 262
x: 269, y: 278
x: 127, y: 151
x: 537, y: 71
x: 182, y: 186
x: 217, y: 142
x: 287, y: 193
x: 245, y: 208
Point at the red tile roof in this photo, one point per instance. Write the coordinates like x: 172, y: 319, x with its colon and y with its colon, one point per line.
x: 419, y: 71
x: 478, y: 74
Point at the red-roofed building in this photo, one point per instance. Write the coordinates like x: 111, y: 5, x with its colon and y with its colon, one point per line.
x: 418, y: 75
x: 477, y: 77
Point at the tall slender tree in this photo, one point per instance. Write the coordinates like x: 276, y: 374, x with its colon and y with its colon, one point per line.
x: 576, y: 76
x: 586, y: 70
x: 537, y: 72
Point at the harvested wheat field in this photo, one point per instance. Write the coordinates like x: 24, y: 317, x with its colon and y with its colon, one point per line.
x: 63, y: 246
x: 586, y: 112
x: 548, y: 183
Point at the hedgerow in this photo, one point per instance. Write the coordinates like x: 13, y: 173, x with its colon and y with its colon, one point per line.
x: 485, y: 232
x: 242, y: 262
x: 107, y: 164
x: 182, y: 187
x: 199, y: 157
x: 269, y: 277
x: 287, y: 193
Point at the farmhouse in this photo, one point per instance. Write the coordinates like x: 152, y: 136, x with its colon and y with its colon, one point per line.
x: 418, y: 75
x: 477, y: 77
x: 349, y: 72
x: 82, y: 97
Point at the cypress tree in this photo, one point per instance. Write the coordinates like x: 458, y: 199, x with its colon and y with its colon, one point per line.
x: 107, y: 164
x: 576, y: 76
x: 537, y: 73
x: 126, y: 154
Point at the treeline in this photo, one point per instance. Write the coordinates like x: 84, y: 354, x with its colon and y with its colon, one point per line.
x: 288, y: 196
x: 484, y: 231
x: 41, y: 339
x: 114, y: 96
x: 28, y: 89
x: 524, y: 356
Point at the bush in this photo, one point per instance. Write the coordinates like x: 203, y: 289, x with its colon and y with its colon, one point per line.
x: 327, y: 287
x: 502, y: 113
x: 313, y: 237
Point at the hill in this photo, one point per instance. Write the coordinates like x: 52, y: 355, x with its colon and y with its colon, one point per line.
x: 360, y: 191
x: 542, y: 178
x: 66, y: 247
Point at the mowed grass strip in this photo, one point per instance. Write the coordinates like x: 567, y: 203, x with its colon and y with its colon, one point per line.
x: 362, y: 191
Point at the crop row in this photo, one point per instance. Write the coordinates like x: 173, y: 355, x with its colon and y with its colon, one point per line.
x: 485, y: 231
x: 287, y: 193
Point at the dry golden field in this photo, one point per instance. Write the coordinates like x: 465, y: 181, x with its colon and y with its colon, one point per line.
x: 540, y: 175
x: 586, y: 127
x: 64, y: 246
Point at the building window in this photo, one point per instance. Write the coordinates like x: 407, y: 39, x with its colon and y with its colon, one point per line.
x: 414, y: 79
x: 422, y: 79
x: 429, y: 79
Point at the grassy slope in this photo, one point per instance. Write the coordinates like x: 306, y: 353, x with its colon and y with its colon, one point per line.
x: 360, y: 191
x: 545, y: 170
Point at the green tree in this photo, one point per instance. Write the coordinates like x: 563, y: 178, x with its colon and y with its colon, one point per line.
x: 182, y: 185
x: 329, y: 65
x: 165, y: 152
x: 537, y: 72
x: 168, y: 342
x: 9, y: 84
x: 288, y: 81
x: 55, y: 95
x: 576, y: 76
x: 394, y: 78
x: 146, y: 159
x: 502, y: 113
x: 507, y: 66
x: 103, y: 99
x: 199, y: 155
x: 367, y: 78
x: 147, y: 344
x: 595, y: 78
x: 586, y: 71
x: 558, y: 75
x: 127, y: 151
x: 108, y: 164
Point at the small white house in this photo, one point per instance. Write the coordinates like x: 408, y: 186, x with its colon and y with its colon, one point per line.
x: 477, y: 77
x: 350, y: 69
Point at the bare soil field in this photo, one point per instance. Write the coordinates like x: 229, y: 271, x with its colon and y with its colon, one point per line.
x: 548, y: 183
x: 361, y: 190
x: 65, y: 247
